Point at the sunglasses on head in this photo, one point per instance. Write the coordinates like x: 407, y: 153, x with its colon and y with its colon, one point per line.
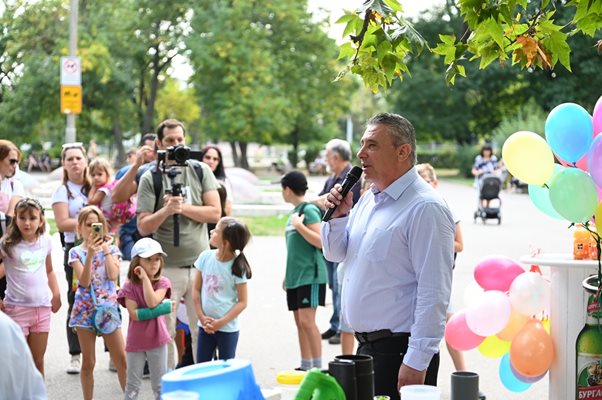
x: 73, y: 145
x: 28, y: 201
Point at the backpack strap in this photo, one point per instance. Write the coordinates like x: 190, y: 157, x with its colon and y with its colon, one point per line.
x: 158, y: 181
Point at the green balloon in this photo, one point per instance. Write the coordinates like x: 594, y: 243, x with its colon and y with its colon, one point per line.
x: 573, y: 195
x: 540, y: 195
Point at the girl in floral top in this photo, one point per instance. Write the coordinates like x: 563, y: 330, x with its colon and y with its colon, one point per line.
x: 95, y: 263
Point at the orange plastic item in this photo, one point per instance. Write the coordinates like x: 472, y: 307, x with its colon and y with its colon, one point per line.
x: 581, y: 244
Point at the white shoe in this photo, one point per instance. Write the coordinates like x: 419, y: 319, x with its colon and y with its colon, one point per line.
x: 74, y: 365
x: 112, y: 366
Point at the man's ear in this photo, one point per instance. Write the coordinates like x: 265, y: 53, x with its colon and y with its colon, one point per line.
x: 404, y: 151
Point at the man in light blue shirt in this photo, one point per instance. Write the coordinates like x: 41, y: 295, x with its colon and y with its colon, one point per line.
x: 398, y: 247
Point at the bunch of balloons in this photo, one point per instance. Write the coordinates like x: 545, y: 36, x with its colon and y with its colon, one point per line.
x: 501, y: 320
x: 569, y: 191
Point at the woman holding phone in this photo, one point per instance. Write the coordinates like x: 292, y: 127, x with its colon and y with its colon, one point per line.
x: 67, y: 201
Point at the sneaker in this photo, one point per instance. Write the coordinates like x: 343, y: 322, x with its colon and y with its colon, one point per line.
x: 112, y: 366
x: 328, y: 334
x: 336, y: 339
x: 146, y: 372
x: 74, y: 365
x: 482, y: 396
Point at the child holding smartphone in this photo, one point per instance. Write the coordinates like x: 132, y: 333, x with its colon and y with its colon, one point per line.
x: 95, y: 263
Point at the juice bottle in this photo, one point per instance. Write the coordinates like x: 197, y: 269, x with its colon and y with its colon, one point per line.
x: 581, y: 244
x: 593, y: 248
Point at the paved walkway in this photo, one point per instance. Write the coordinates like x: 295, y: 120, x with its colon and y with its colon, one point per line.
x: 268, y: 335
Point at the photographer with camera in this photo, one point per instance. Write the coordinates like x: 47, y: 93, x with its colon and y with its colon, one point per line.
x: 192, y: 204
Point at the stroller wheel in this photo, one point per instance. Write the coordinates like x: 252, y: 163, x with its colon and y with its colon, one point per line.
x: 475, y: 216
x: 499, y: 220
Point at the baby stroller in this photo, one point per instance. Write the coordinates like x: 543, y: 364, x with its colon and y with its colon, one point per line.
x: 489, y: 202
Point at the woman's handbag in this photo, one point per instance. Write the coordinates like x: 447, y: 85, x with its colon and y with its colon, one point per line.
x: 106, y: 319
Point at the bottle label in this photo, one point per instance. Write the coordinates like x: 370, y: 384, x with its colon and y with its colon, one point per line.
x: 589, y: 376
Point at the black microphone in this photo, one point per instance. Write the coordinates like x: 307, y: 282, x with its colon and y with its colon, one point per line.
x: 350, y: 180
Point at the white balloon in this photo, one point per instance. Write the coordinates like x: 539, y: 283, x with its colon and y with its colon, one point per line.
x: 490, y: 315
x: 530, y: 293
x: 472, y: 293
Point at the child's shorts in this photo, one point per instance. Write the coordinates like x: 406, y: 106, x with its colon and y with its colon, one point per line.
x: 30, y: 319
x: 308, y: 296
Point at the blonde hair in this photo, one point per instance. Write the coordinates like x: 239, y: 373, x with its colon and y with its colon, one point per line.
x: 102, y: 165
x: 136, y: 263
x: 427, y: 172
x: 83, y: 216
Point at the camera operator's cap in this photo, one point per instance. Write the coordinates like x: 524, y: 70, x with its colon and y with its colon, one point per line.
x: 147, y: 247
x: 295, y: 180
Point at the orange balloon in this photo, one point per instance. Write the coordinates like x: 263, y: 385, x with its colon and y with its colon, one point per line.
x: 514, y: 325
x: 532, y: 349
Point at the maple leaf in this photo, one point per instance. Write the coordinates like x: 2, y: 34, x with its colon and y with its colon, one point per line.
x: 528, y: 51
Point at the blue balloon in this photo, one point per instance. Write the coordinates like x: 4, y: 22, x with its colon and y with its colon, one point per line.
x: 540, y: 195
x: 508, y: 379
x: 569, y: 131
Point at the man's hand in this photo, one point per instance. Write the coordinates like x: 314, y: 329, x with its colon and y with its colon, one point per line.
x: 143, y: 153
x: 409, y: 376
x: 334, y: 199
x: 173, y: 204
x: 297, y: 220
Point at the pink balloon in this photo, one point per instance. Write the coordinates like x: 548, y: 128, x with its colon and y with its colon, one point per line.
x: 458, y: 335
x: 496, y: 273
x: 490, y: 315
x: 581, y: 164
x: 597, y: 116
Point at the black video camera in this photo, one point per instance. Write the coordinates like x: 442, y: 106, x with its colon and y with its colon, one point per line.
x: 180, y: 154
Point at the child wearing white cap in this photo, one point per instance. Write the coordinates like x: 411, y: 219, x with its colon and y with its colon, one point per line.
x: 145, y: 295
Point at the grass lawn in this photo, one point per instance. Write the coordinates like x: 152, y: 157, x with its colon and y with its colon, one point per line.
x: 259, y: 226
x: 266, y: 226
x: 453, y: 175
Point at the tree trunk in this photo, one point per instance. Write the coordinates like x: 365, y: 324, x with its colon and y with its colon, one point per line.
x: 293, y: 158
x: 234, y: 153
x: 244, y: 162
x: 118, y: 136
x: 152, y: 96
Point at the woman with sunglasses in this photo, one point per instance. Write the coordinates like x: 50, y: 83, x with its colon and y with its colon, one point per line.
x: 67, y: 200
x: 11, y: 189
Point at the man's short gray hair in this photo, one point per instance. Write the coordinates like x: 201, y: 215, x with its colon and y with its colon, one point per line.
x: 400, y: 130
x: 341, y: 147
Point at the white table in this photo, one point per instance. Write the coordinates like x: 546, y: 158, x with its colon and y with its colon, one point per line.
x: 567, y: 316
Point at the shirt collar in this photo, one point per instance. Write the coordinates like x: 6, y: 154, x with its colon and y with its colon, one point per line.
x: 396, y: 189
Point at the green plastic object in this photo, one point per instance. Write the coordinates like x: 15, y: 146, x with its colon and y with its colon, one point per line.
x: 144, y: 314
x: 319, y: 386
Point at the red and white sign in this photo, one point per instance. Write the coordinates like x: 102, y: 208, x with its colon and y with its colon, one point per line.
x: 71, y: 71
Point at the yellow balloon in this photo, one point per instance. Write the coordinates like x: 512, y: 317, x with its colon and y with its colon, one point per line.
x: 598, y: 216
x: 528, y: 157
x: 493, y: 347
x: 546, y: 325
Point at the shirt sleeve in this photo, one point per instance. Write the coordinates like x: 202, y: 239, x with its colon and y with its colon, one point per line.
x: 18, y: 189
x: 164, y: 283
x: 124, y: 293
x: 431, y: 255
x: 312, y: 214
x: 334, y: 239
x: 200, y: 261
x: 115, y: 251
x: 75, y: 254
x: 60, y: 195
x: 146, y: 194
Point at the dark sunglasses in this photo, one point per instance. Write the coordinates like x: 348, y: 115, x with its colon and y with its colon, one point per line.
x: 31, y: 202
x: 211, y: 158
x: 13, y: 161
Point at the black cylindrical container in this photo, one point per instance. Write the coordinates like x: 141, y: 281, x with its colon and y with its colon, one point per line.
x: 464, y: 385
x: 364, y: 375
x: 344, y: 372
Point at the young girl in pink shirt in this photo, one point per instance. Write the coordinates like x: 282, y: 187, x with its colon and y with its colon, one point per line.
x: 144, y: 295
x: 32, y: 289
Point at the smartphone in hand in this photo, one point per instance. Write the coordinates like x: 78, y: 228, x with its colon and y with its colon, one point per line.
x: 97, y: 229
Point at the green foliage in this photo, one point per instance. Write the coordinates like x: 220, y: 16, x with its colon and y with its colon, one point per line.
x: 439, y: 159
x: 465, y: 159
x: 530, y: 117
x: 527, y: 33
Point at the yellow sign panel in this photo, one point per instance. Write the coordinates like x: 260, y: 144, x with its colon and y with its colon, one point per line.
x: 71, y: 99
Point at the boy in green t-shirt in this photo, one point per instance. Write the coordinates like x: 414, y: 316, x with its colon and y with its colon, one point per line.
x: 305, y: 279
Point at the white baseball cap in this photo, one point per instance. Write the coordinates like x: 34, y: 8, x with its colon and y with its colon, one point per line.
x: 147, y: 247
